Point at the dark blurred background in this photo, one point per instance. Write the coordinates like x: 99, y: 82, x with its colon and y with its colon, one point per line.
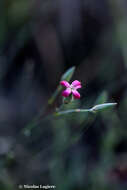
x: 39, y: 41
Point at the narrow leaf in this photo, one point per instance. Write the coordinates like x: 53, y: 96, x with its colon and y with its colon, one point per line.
x: 102, y: 107
x: 102, y: 98
x: 68, y: 74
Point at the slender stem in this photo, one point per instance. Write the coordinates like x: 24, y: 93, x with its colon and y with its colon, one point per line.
x: 72, y: 111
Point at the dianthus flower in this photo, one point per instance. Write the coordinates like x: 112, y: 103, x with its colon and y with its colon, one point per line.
x: 71, y: 88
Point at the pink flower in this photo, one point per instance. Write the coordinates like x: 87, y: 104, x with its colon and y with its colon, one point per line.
x: 71, y: 88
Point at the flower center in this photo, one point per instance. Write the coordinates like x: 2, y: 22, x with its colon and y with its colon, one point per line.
x: 72, y: 87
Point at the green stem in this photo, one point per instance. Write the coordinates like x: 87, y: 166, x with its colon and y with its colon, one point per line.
x: 72, y: 111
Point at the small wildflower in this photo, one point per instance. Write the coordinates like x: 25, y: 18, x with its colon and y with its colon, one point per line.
x: 71, y: 88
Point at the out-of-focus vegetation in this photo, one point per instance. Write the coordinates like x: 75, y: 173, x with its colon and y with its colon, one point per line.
x: 39, y: 40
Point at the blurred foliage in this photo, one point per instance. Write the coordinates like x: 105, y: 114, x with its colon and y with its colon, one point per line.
x: 39, y: 41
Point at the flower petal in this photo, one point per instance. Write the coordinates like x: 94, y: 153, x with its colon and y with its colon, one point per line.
x: 79, y: 86
x: 65, y: 83
x: 66, y: 92
x: 76, y: 94
x: 75, y: 83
